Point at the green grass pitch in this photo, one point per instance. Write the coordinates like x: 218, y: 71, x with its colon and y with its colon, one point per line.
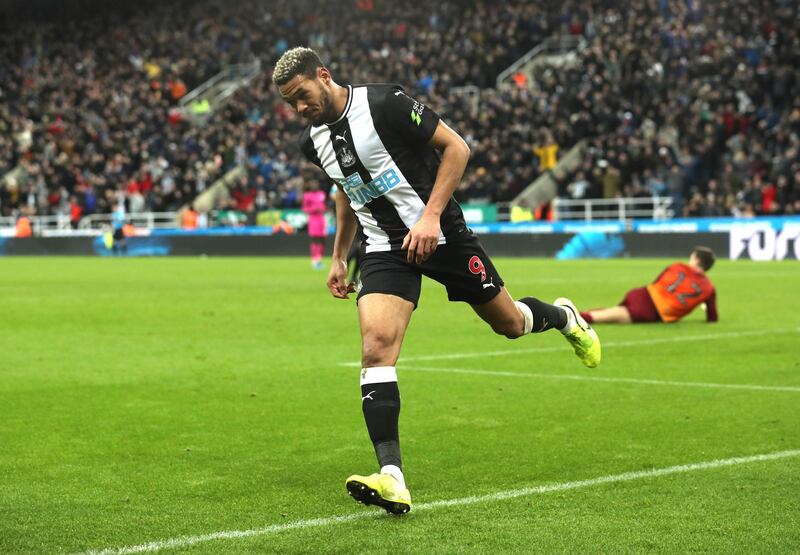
x: 144, y: 400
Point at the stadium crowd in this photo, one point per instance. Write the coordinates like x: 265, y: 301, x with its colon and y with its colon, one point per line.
x: 683, y: 98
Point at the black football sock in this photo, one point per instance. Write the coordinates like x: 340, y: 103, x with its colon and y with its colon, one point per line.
x: 545, y: 316
x: 380, y: 403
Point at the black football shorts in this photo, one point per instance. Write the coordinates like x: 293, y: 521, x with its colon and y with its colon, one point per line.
x: 461, y: 265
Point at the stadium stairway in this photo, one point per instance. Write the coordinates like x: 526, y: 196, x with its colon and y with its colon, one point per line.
x: 201, y: 102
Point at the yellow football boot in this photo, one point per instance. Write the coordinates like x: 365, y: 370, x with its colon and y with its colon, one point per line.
x: 383, y: 490
x: 582, y: 337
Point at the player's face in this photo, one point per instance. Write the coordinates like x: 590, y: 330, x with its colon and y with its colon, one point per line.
x: 311, y: 98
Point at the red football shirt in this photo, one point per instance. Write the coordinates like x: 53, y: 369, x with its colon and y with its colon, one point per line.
x: 679, y: 289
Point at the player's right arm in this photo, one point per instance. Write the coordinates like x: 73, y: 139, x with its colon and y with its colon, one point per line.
x: 345, y: 230
x: 711, y: 308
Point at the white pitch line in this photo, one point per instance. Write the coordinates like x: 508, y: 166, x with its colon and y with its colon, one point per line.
x: 632, y: 343
x: 185, y: 541
x: 578, y: 377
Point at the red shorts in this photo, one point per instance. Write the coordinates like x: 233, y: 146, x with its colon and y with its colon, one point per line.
x: 640, y: 305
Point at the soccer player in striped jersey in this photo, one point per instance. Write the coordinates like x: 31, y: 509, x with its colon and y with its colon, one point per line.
x: 677, y: 290
x: 396, y: 165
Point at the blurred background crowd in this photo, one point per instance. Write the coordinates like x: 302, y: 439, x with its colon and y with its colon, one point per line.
x: 689, y: 99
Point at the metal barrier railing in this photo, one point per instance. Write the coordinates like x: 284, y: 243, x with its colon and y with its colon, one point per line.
x: 649, y: 208
x: 148, y: 220
x: 60, y: 224
x: 234, y: 72
x: 549, y: 46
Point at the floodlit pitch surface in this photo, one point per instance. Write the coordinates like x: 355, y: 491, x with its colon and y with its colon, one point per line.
x: 212, y: 406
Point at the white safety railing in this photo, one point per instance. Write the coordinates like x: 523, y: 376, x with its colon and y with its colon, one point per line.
x: 219, y: 87
x: 549, y: 46
x: 40, y: 225
x: 60, y: 224
x: 234, y: 72
x: 649, y: 208
x: 147, y: 220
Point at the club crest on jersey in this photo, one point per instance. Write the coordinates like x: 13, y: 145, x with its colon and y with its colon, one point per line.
x: 346, y: 157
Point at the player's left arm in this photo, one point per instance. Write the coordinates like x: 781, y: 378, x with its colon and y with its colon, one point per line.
x: 711, y: 308
x: 345, y: 231
x: 423, y: 237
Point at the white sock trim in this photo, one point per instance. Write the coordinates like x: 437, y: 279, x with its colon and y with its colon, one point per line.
x: 572, y: 323
x: 378, y: 374
x: 527, y: 315
x: 396, y: 472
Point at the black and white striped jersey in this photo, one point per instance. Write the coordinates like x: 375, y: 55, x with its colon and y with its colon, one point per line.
x: 377, y: 152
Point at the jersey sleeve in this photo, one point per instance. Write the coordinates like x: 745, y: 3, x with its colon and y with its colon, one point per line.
x: 307, y: 148
x: 410, y: 118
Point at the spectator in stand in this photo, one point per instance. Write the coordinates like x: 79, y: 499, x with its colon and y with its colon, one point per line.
x: 243, y: 196
x: 547, y: 151
x: 23, y: 226
x: 189, y: 218
x: 75, y: 211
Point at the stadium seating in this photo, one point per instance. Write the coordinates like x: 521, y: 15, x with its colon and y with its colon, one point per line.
x: 696, y: 101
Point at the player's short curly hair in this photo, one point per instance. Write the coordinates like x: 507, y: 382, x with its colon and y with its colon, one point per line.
x: 297, y: 61
x: 705, y: 256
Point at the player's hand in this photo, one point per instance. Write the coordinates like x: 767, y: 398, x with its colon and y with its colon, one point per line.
x: 422, y: 239
x: 337, y: 283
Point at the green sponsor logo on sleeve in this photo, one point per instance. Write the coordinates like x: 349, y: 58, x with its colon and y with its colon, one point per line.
x: 415, y: 117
